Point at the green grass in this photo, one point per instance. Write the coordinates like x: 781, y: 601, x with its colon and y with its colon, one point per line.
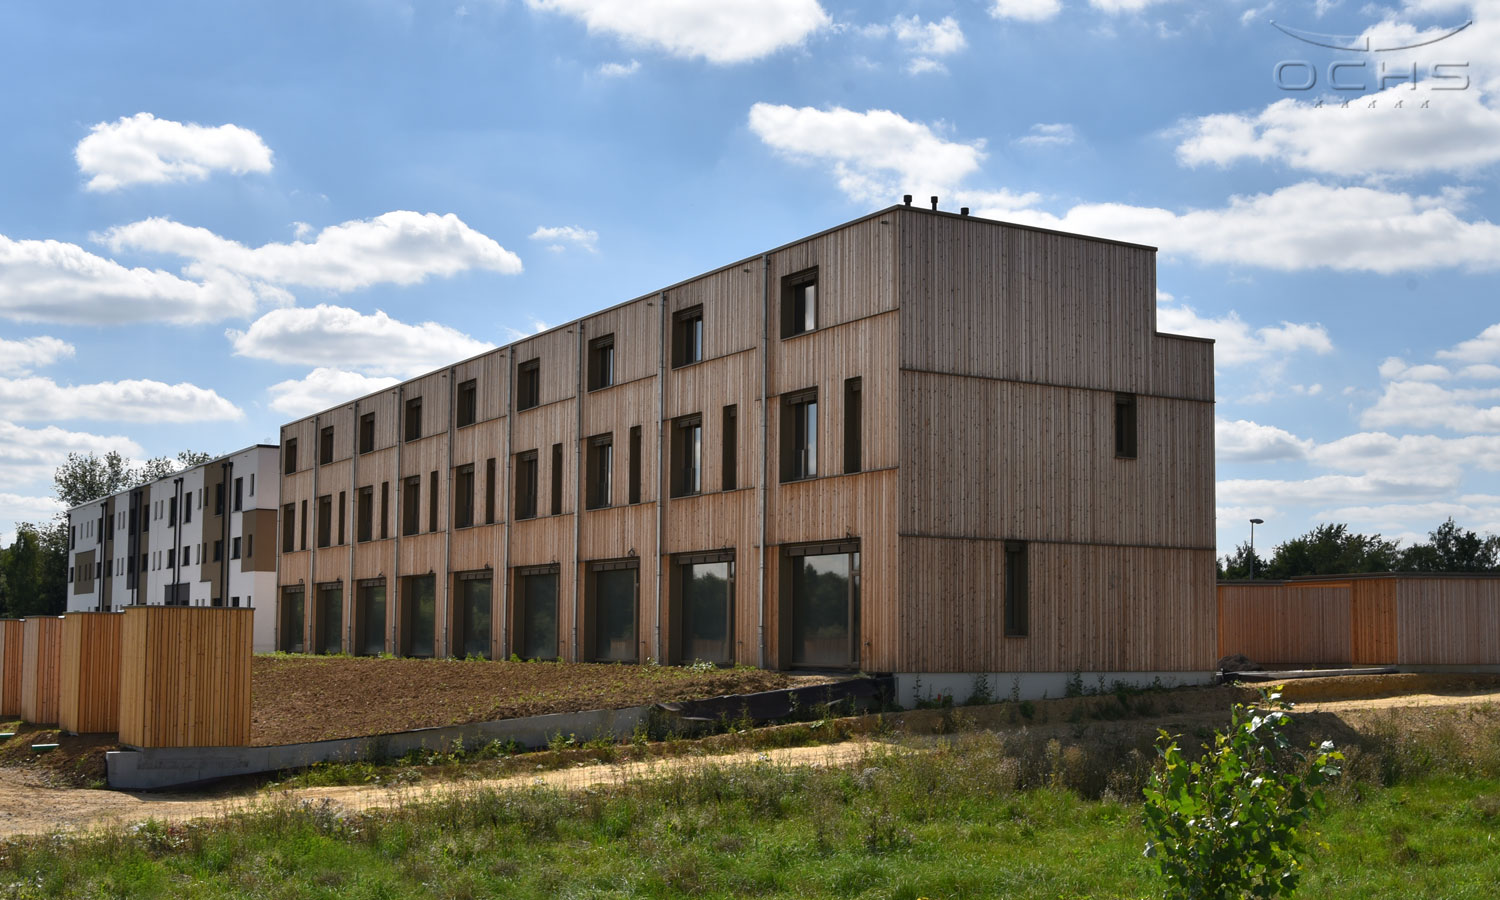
x: 968, y: 817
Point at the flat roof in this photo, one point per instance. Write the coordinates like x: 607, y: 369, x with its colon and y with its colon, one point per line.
x: 178, y: 473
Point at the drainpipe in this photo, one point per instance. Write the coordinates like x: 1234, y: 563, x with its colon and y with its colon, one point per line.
x: 448, y: 524
x: 578, y: 504
x: 226, y: 481
x: 393, y: 594
x: 765, y: 363
x: 177, y: 538
x: 505, y: 503
x: 661, y: 481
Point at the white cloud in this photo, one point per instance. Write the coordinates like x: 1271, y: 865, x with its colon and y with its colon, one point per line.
x: 399, y: 247
x: 1417, y: 404
x: 1377, y: 451
x: 725, y: 32
x: 1480, y: 372
x: 31, y: 353
x: 1394, y: 367
x: 560, y: 235
x: 536, y: 326
x: 1460, y: 133
x: 1482, y: 349
x: 878, y: 155
x: 32, y: 509
x: 922, y: 65
x: 1484, y: 517
x: 1301, y: 226
x: 1118, y: 7
x: 142, y: 149
x: 1244, y: 441
x: 1235, y: 342
x: 1026, y: 10
x: 51, y: 281
x: 29, y: 455
x: 620, y: 70
x: 321, y: 389
x: 338, y: 337
x: 1054, y: 134
x: 1333, y: 488
x: 940, y: 38
x: 36, y: 398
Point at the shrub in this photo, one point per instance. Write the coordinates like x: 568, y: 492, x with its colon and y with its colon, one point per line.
x: 1232, y: 824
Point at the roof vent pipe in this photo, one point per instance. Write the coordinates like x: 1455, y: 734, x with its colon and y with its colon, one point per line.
x: 963, y: 210
x: 906, y: 198
x: 934, y: 204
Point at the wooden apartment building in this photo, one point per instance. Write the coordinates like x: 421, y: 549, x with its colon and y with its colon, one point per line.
x: 918, y: 442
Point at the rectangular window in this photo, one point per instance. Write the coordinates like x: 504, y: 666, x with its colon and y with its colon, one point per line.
x: 799, y: 303
x: 601, y: 362
x: 475, y: 611
x: 557, y: 479
x: 418, y: 617
x: 1125, y: 426
x: 687, y: 337
x: 249, y: 545
x: 371, y: 617
x: 325, y: 520
x: 799, y: 435
x: 218, y: 551
x: 385, y: 519
x: 292, y: 621
x: 219, y: 499
x: 239, y: 494
x: 705, y: 586
x: 364, y: 514
x: 823, y: 581
x: 289, y: 456
x: 1016, y: 601
x: 366, y: 432
x: 463, y: 496
x: 635, y: 464
x: 468, y: 403
x: 411, y: 505
x: 432, y: 502
x: 529, y: 384
x: 187, y: 516
x: 613, y: 588
x: 687, y: 455
x: 252, y: 484
x: 328, y: 619
x: 234, y: 548
x: 853, y: 424
x: 729, y: 464
x: 171, y: 512
x: 413, y: 419
x: 171, y: 557
x: 601, y: 464
x: 343, y: 512
x: 288, y: 528
x: 526, y: 485
x: 536, y: 636
x: 325, y: 446
x: 489, y: 491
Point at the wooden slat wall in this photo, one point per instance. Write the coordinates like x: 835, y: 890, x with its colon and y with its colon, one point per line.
x: 1448, y: 621
x: 1287, y: 624
x: 12, y: 655
x: 185, y: 676
x: 1373, y: 620
x: 90, y: 673
x: 41, y: 670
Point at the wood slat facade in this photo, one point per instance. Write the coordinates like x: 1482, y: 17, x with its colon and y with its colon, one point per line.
x: 185, y: 676
x: 41, y: 669
x: 963, y: 380
x: 1381, y: 619
x: 11, y: 659
x: 90, y: 681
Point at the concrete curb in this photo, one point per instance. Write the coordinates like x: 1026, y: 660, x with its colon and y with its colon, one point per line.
x: 157, y: 768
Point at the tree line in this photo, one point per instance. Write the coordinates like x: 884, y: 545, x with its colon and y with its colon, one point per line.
x: 1335, y: 550
x: 34, y: 568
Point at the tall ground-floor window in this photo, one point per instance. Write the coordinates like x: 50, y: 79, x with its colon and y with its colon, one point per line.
x: 536, y: 612
x: 292, y: 610
x: 820, y: 594
x: 474, y: 612
x: 418, y: 615
x: 705, y: 586
x: 613, y: 600
x: 330, y: 618
x: 370, y: 616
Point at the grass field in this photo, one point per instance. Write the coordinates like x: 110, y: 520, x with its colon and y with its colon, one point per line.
x: 974, y: 814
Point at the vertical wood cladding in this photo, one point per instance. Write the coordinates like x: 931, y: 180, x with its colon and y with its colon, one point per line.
x: 12, y: 655
x: 41, y: 669
x: 90, y: 677
x: 1287, y: 624
x: 185, y: 676
x: 988, y: 358
x: 1448, y: 621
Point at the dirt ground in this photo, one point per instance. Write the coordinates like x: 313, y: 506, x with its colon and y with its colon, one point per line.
x: 30, y: 805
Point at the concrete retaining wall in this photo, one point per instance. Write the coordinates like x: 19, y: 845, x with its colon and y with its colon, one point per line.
x: 913, y: 687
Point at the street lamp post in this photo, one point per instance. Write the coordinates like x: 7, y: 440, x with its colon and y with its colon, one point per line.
x: 1253, y: 523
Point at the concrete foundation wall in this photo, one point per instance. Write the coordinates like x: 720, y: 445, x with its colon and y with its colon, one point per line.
x: 913, y: 687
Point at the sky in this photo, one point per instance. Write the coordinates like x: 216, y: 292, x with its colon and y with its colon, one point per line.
x: 215, y: 218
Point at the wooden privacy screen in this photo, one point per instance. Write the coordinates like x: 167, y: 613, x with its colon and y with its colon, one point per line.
x: 185, y: 676
x: 11, y: 655
x: 41, y: 653
x: 1408, y: 620
x: 90, y: 673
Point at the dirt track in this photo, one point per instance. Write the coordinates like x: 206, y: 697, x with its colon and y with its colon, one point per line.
x: 28, y: 806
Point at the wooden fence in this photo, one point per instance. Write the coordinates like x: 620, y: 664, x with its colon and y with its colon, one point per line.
x: 11, y: 656
x: 1396, y: 619
x: 90, y: 673
x: 185, y: 676
x: 41, y: 655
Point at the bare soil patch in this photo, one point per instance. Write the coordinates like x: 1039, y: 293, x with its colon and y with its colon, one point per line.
x: 311, y: 698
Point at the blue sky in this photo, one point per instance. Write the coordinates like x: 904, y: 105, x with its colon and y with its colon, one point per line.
x: 218, y: 217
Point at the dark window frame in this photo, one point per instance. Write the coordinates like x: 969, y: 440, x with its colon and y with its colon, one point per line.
x: 601, y: 362
x: 529, y: 384
x: 411, y: 420
x: 853, y: 425
x: 687, y: 455
x: 687, y: 336
x: 1126, y: 426
x: 367, y: 433
x: 289, y: 457
x: 463, y: 496
x: 600, y: 471
x: 1017, y: 590
x: 799, y: 443
x: 325, y: 445
x: 799, y: 303
x: 527, y: 476
x: 557, y: 479
x: 729, y: 448
x: 467, y: 412
x: 411, y: 505
x: 634, y: 489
